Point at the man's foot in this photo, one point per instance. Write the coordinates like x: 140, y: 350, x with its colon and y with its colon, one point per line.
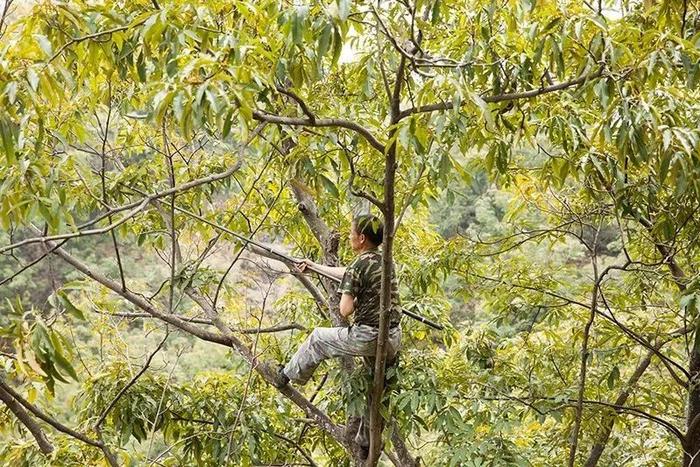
x: 280, y: 379
x: 364, y: 452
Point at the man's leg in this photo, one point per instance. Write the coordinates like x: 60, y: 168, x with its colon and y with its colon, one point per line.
x: 321, y: 344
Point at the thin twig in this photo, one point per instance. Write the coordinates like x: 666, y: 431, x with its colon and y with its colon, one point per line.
x: 131, y: 382
x: 77, y: 40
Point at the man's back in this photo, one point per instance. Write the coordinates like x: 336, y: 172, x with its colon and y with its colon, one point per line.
x: 363, y: 280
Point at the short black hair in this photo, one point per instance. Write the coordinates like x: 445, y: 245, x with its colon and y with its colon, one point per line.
x: 370, y: 226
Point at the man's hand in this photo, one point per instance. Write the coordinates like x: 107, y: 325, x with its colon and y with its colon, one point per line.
x: 304, y: 265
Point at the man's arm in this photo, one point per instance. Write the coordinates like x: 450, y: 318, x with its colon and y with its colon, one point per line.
x: 334, y: 271
x: 347, y: 305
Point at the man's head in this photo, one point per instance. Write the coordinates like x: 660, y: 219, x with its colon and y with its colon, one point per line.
x: 366, y: 233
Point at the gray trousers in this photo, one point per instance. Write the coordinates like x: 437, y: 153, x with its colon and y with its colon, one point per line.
x: 322, y: 343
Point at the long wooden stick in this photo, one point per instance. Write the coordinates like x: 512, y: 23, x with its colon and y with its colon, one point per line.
x: 291, y: 259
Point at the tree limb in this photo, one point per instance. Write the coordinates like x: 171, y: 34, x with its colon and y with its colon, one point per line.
x: 376, y: 422
x: 16, y: 408
x: 76, y: 40
x: 440, y: 106
x: 321, y: 122
x: 111, y: 458
x: 136, y: 207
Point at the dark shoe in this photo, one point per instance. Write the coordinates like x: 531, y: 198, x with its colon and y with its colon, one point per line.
x: 364, y: 452
x: 280, y: 380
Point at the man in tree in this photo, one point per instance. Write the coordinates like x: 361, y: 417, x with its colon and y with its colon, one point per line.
x: 360, y: 288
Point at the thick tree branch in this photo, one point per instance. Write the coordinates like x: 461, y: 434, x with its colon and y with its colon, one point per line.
x: 23, y: 416
x: 321, y: 122
x: 376, y: 422
x: 111, y: 458
x: 440, y: 106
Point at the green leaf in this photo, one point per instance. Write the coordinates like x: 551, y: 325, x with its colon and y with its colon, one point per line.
x: 65, y: 366
x: 227, y: 124
x: 296, y: 73
x: 45, y: 44
x: 343, y: 9
x: 435, y: 12
x: 337, y: 44
x: 324, y: 40
x: 7, y: 135
x: 33, y: 79
x: 551, y: 25
x: 558, y: 57
x: 298, y: 21
x: 161, y: 102
x: 70, y: 308
x: 11, y: 92
x: 663, y: 167
x: 445, y: 165
x: 141, y: 68
x: 613, y: 377
x: 329, y: 185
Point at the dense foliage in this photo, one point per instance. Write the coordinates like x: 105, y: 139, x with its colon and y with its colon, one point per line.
x: 540, y: 159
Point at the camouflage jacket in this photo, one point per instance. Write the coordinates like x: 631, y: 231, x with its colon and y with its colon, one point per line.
x: 363, y: 280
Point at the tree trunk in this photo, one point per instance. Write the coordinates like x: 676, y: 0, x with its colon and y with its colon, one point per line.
x: 376, y: 424
x: 691, y: 456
